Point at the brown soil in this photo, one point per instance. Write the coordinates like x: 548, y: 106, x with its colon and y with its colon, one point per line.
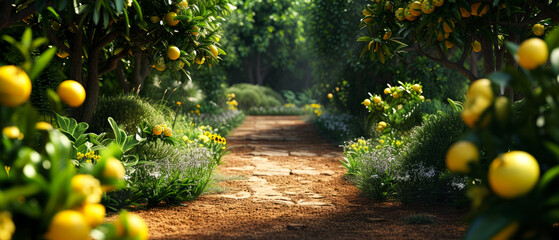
x: 283, y: 181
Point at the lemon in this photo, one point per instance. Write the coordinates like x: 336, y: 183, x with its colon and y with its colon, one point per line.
x: 400, y: 14
x: 114, y: 169
x: 387, y: 35
x: 427, y: 7
x: 532, y: 53
x: 538, y: 29
x: 71, y: 92
x: 366, y: 12
x: 87, y: 186
x: 183, y: 4
x: 154, y: 19
x: 157, y: 130
x: 44, y: 126
x: 447, y: 28
x: 16, y: 86
x: 7, y: 226
x: 415, y: 8
x: 382, y: 124
x: 62, y: 54
x: 195, y: 30
x: 476, y: 46
x: 11, y: 132
x: 388, y: 6
x: 387, y: 91
x: 464, y: 13
x: 481, y: 87
x: 408, y: 15
x: 377, y: 99
x: 173, y: 52
x: 416, y: 87
x: 459, y: 156
x: 94, y: 213
x: 135, y: 227
x: 438, y: 3
x: 167, y: 132
x: 68, y: 225
x: 366, y: 102
x: 330, y: 95
x: 170, y: 19
x: 513, y: 174
x: 213, y: 50
x: 200, y: 60
x: 475, y: 9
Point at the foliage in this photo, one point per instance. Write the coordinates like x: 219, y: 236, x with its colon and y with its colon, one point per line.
x: 223, y: 122
x: 267, y: 41
x: 454, y: 26
x: 530, y: 128
x: 168, y: 90
x: 287, y: 109
x: 248, y: 96
x: 127, y: 109
x: 337, y: 127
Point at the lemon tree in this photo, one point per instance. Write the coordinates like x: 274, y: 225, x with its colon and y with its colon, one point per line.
x: 452, y: 32
x: 513, y: 183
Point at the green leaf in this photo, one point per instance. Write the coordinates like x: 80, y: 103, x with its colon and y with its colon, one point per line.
x: 54, y: 13
x: 119, y: 4
x: 39, y: 42
x: 138, y: 10
x: 550, y: 175
x: 552, y: 38
x: 488, y: 224
x: 364, y: 39
x: 554, y: 59
x: 70, y: 127
x: 512, y: 47
x: 127, y: 22
x: 27, y: 39
x: 501, y: 78
x: 41, y: 62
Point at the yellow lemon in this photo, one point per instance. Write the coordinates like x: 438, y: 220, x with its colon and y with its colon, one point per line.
x: 157, y: 130
x: 170, y: 19
x: 513, y: 174
x: 476, y: 46
x: 538, y: 29
x: 68, y: 225
x: 167, y: 132
x: 532, y: 53
x: 71, y: 92
x: 387, y: 91
x: 330, y: 95
x: 459, y: 156
x: 213, y: 50
x: 134, y: 227
x: 94, y: 213
x: 366, y: 102
x: 154, y: 19
x: 416, y: 87
x: 400, y: 14
x: 377, y: 99
x: 113, y: 169
x: 173, y: 52
x: 87, y: 186
x: 427, y: 7
x: 438, y: 3
x: 43, y: 126
x: 415, y: 8
x: 200, y: 60
x: 11, y: 132
x: 16, y: 86
x: 387, y: 35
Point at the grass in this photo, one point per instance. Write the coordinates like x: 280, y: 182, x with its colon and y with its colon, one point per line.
x: 218, y: 177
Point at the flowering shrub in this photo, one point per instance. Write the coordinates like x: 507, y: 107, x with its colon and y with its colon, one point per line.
x: 313, y: 108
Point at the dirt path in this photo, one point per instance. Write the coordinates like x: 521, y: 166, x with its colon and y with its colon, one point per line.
x: 283, y: 181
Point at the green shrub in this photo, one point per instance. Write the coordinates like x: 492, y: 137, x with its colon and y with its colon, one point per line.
x: 422, y: 159
x: 127, y: 110
x: 249, y: 96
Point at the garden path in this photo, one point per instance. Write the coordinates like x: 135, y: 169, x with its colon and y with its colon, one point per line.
x: 282, y: 180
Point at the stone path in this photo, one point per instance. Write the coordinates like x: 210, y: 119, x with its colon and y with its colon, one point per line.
x: 283, y: 181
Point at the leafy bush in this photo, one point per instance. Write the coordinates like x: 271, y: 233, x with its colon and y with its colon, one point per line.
x: 422, y: 157
x: 338, y: 127
x: 248, y: 96
x: 223, y: 122
x: 280, y: 110
x: 128, y: 110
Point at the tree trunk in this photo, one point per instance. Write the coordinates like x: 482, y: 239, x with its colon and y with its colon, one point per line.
x: 121, y: 77
x: 92, y: 88
x: 76, y: 46
x: 259, y: 77
x: 141, y: 71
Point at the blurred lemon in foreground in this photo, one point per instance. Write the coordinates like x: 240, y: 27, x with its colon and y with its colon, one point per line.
x: 16, y: 86
x: 366, y: 102
x: 94, y: 213
x: 113, y: 169
x: 134, y: 227
x: 513, y: 174
x: 68, y: 224
x: 532, y: 53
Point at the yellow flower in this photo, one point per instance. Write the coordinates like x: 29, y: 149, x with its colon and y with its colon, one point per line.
x: 381, y: 141
x: 207, y: 133
x: 43, y: 126
x: 87, y: 186
x: 179, y: 103
x: 191, y: 111
x: 7, y: 226
x: 79, y: 155
x: 223, y: 148
x: 7, y: 168
x: 198, y: 105
x: 184, y: 138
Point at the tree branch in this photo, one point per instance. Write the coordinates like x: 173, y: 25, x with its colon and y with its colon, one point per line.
x: 112, y: 62
x: 57, y: 42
